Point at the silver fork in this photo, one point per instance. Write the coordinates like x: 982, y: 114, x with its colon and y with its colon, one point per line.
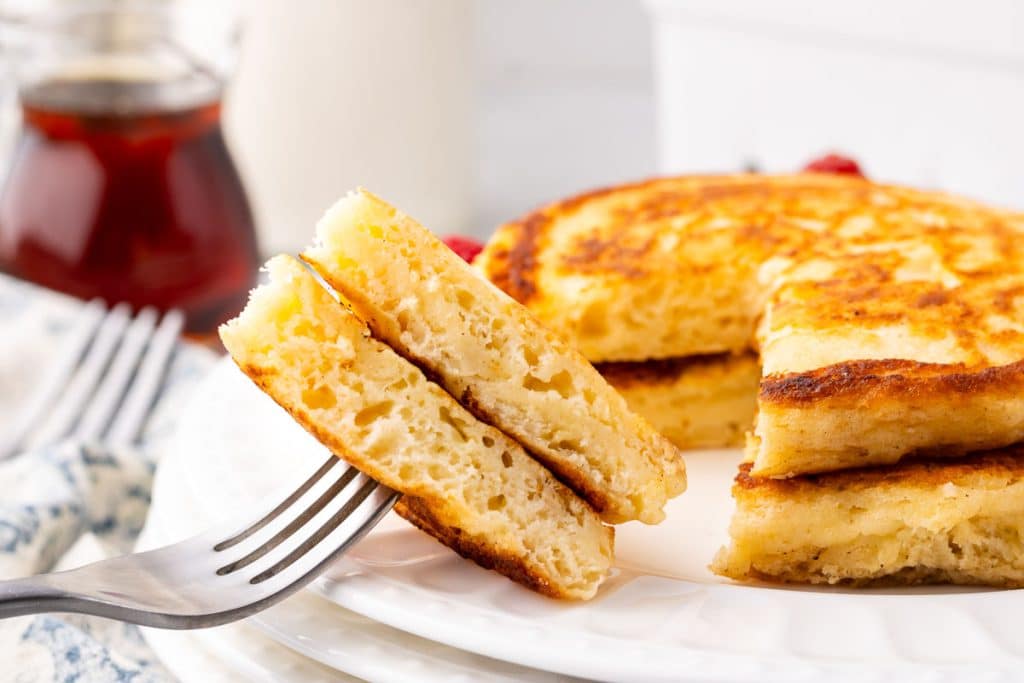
x: 225, y: 574
x: 102, y: 387
x: 103, y: 382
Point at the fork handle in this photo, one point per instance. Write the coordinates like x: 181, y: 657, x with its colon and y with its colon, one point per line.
x: 19, y: 597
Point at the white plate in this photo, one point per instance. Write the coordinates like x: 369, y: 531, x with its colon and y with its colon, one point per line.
x: 663, y: 616
x: 305, y: 623
x: 224, y: 654
x: 232, y: 653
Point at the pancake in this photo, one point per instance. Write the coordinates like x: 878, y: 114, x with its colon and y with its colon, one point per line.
x: 908, y: 346
x: 697, y: 402
x: 465, y: 482
x: 495, y: 358
x: 664, y: 268
x: 932, y: 521
x: 887, y: 320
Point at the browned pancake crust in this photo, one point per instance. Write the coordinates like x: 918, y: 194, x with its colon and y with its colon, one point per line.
x: 908, y: 576
x: 624, y: 374
x: 420, y: 514
x: 630, y: 237
x: 864, y: 381
x: 516, y: 265
x: 513, y: 268
x: 1004, y: 464
x: 513, y: 262
x: 766, y: 209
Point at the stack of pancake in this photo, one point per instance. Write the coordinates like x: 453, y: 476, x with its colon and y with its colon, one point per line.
x: 506, y: 443
x: 889, y: 328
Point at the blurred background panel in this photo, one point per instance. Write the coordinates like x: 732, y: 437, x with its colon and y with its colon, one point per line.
x: 468, y: 113
x: 479, y: 111
x: 927, y: 93
x: 565, y: 98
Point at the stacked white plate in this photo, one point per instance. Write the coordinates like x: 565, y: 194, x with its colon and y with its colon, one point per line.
x: 401, y: 607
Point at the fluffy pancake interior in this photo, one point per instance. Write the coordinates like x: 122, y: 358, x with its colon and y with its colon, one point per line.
x: 697, y: 402
x: 488, y: 351
x: 917, y: 522
x: 485, y: 496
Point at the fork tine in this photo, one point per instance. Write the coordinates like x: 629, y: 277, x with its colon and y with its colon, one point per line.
x: 111, y: 390
x: 282, y: 506
x: 70, y: 406
x: 303, y: 517
x: 347, y: 520
x: 137, y: 403
x: 320, y: 534
x: 81, y: 334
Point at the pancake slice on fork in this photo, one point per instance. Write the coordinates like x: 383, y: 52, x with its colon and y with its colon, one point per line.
x: 490, y: 353
x: 464, y: 482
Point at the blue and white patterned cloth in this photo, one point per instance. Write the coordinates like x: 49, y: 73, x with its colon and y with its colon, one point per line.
x: 73, y: 503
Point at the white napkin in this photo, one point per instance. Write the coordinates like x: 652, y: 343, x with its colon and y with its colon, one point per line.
x: 72, y: 503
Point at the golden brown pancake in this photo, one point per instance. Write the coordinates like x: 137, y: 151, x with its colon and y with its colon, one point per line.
x: 930, y: 521
x: 464, y: 482
x: 889, y: 321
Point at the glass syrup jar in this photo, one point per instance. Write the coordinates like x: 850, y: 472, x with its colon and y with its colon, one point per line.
x: 120, y: 184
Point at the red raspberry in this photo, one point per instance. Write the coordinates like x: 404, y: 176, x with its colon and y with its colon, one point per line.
x: 834, y: 163
x: 466, y: 247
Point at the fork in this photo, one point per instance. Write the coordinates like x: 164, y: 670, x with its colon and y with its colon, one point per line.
x: 225, y: 574
x: 102, y: 388
x: 103, y: 382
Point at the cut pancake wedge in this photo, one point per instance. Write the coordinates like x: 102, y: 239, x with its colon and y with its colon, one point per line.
x: 936, y: 521
x: 466, y: 483
x: 495, y: 358
x: 880, y: 412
